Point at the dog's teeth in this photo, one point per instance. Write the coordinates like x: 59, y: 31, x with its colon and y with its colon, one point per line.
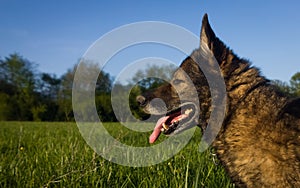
x: 162, y: 130
x: 166, y: 127
x: 188, y: 111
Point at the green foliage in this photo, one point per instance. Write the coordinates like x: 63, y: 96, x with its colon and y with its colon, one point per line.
x: 291, y: 89
x: 295, y: 84
x: 104, y: 108
x: 153, y: 76
x: 18, y: 71
x: 55, y: 155
x: 283, y: 87
x: 27, y: 95
x: 49, y: 86
x: 18, y: 76
x: 37, y: 112
x: 65, y: 95
x: 5, y: 108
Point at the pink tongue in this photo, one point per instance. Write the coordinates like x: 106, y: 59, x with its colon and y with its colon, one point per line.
x: 156, y: 132
x: 178, y: 118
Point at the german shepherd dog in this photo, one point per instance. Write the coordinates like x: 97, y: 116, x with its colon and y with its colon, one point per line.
x: 259, y: 141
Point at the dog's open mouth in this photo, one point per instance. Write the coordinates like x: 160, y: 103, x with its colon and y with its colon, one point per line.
x: 175, y: 121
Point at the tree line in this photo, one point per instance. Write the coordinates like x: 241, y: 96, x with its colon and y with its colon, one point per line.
x: 29, y: 95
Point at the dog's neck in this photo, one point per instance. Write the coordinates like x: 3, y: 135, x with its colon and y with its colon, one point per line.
x: 249, y: 95
x: 240, y: 80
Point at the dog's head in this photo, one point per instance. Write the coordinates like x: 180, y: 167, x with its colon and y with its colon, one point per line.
x: 186, y: 98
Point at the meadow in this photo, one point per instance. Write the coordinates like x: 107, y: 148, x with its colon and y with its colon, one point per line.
x: 39, y: 154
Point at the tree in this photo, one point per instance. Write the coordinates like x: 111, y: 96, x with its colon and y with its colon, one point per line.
x: 65, y: 94
x: 295, y: 84
x: 282, y: 86
x: 104, y: 83
x: 5, y: 107
x: 101, y: 86
x: 104, y: 108
x: 153, y: 76
x: 49, y: 86
x: 18, y: 76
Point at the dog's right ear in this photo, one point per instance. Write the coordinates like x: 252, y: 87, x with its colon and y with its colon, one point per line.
x: 208, y: 37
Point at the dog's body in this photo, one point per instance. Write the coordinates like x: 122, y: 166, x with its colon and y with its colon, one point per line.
x: 259, y: 142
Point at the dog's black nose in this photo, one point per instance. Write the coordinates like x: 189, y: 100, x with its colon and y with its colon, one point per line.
x: 141, y: 100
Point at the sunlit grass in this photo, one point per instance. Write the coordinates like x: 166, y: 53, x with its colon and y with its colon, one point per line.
x: 55, y: 155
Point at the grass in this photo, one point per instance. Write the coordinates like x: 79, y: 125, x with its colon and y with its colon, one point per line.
x: 55, y: 155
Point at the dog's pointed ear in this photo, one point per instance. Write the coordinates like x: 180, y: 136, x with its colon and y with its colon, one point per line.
x: 207, y: 35
x: 209, y: 39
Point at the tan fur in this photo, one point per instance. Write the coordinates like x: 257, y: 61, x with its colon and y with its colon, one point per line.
x: 259, y: 143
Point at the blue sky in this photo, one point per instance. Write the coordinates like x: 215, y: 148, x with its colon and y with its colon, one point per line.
x: 55, y: 34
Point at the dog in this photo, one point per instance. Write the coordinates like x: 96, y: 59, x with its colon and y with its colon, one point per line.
x: 259, y: 140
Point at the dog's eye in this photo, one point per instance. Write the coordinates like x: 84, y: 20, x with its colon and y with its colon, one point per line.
x: 177, y: 82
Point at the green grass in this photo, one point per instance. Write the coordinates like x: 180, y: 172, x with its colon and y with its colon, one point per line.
x: 55, y: 155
